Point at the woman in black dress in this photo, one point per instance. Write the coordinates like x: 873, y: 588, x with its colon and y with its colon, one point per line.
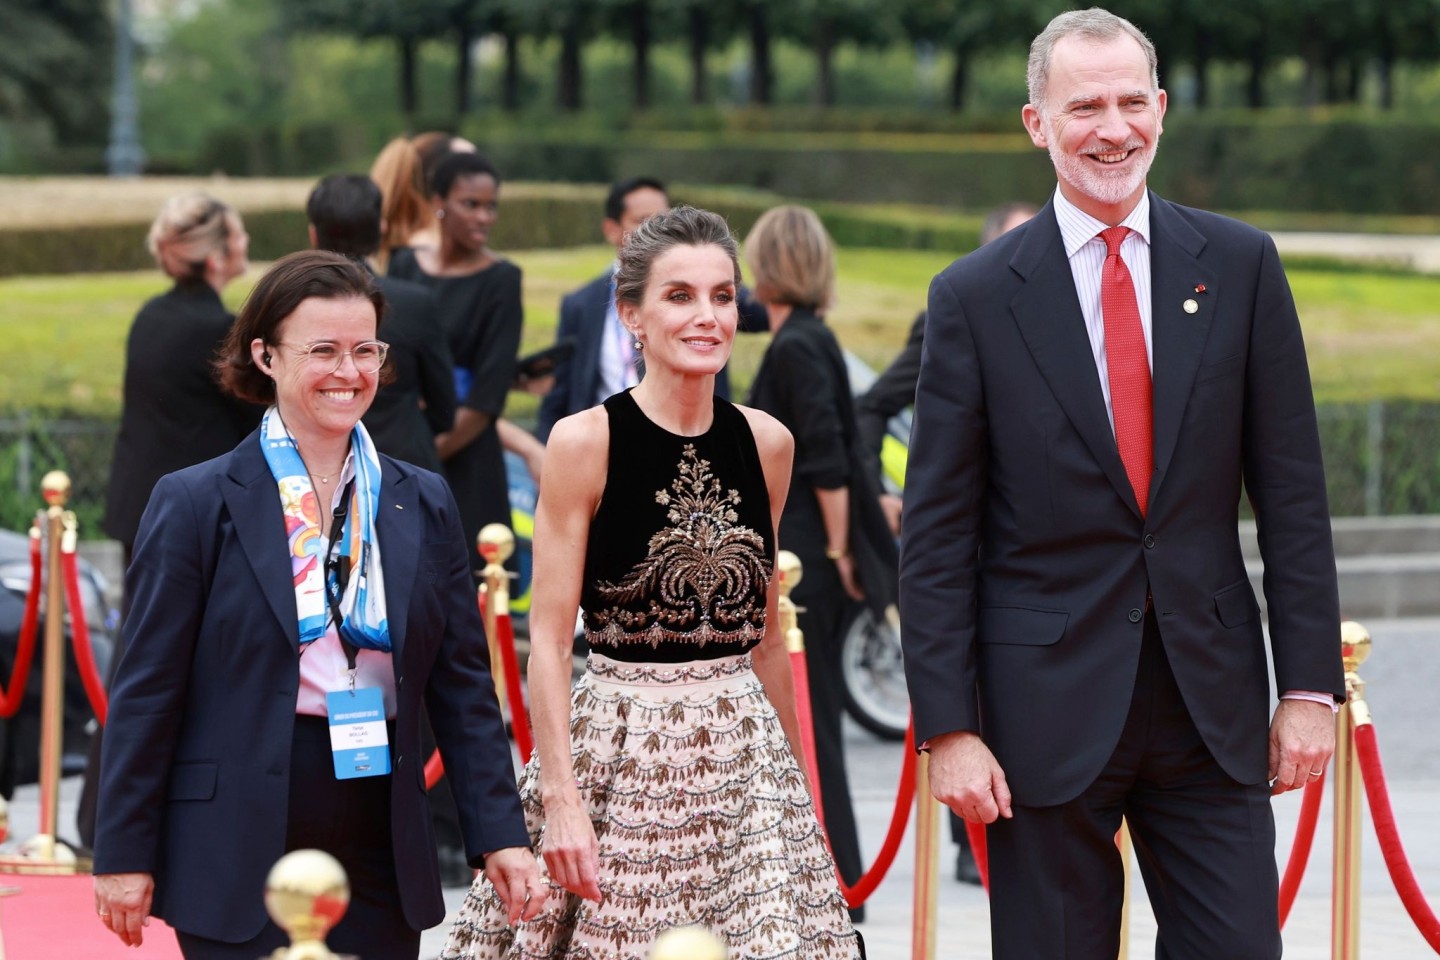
x: 478, y: 297
x: 802, y: 383
x: 174, y: 413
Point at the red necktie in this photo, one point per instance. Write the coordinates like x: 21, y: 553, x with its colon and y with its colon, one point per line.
x: 1128, y: 368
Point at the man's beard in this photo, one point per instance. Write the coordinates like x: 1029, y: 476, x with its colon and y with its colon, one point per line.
x: 1097, y: 182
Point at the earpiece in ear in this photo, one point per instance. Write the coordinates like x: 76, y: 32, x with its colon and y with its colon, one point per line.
x: 265, y: 359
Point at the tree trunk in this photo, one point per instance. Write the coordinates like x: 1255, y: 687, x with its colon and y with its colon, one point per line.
x: 825, y: 62
x: 1385, y: 64
x: 1355, y: 75
x: 510, y: 84
x: 699, y: 41
x: 1255, y: 82
x: 761, y: 79
x: 409, y: 90
x: 1202, y: 69
x: 959, y: 79
x: 570, y: 70
x: 464, y: 70
x: 640, y: 38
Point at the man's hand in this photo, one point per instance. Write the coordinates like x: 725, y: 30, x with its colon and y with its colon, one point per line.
x: 1302, y: 738
x: 123, y: 902
x: 965, y: 776
x: 515, y: 875
x: 892, y: 506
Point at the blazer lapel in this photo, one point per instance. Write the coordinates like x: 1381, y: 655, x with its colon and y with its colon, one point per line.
x: 398, y: 526
x: 1048, y: 314
x: 254, y: 503
x: 1178, y: 337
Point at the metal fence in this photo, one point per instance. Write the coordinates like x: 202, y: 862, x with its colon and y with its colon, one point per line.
x: 1380, y: 458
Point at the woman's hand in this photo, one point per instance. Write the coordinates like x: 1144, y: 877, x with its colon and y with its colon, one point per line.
x: 123, y: 902
x: 849, y: 579
x: 515, y: 875
x: 572, y: 854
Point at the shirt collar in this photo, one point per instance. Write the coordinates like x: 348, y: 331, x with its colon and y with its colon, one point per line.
x: 1078, y: 228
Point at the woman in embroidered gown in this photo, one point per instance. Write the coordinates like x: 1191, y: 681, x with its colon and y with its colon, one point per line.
x: 665, y: 791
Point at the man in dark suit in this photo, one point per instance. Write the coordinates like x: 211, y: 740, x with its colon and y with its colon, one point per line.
x: 1081, y: 640
x: 408, y: 412
x: 604, y: 361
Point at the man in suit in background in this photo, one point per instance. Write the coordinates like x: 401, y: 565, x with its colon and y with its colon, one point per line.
x: 605, y: 360
x: 408, y: 412
x: 1081, y: 640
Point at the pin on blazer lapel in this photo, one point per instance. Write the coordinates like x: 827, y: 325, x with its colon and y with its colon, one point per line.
x: 1177, y: 337
x: 1048, y: 314
x: 399, y: 527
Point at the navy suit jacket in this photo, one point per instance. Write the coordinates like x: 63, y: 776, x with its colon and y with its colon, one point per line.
x: 194, y: 783
x: 582, y: 319
x: 1026, y: 564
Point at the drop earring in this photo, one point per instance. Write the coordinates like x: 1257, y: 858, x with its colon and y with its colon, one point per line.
x: 639, y: 345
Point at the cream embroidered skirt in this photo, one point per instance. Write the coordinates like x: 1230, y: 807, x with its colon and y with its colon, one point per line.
x: 702, y: 816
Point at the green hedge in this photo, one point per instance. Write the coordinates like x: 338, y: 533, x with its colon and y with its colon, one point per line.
x: 534, y: 218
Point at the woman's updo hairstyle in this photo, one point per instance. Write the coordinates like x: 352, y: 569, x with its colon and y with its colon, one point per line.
x: 682, y: 226
x: 189, y: 229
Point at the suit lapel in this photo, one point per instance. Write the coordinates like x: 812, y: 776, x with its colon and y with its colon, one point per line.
x: 398, y: 526
x: 253, y: 500
x: 1177, y: 337
x: 1048, y: 314
x: 590, y: 339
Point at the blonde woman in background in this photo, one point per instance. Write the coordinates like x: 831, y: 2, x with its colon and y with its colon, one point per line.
x: 404, y: 209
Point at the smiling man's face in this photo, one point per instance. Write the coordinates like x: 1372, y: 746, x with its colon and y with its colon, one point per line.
x: 1101, y: 122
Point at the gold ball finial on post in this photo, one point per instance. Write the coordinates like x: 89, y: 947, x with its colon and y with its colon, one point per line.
x: 495, y: 542
x: 1354, y: 644
x: 790, y: 571
x: 55, y: 488
x: 306, y: 894
x: 688, y: 943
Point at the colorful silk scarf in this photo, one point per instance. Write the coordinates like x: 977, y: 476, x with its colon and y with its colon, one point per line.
x: 362, y: 604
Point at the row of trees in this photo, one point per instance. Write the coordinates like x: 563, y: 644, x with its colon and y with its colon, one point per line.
x: 1336, y: 39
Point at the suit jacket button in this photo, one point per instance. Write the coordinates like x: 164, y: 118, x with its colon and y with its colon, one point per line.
x: 1149, y: 540
x: 1136, y: 616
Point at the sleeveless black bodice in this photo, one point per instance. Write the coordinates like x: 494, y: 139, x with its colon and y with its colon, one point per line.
x: 681, y: 548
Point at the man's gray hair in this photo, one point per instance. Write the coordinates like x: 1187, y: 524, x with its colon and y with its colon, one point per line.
x: 1095, y: 26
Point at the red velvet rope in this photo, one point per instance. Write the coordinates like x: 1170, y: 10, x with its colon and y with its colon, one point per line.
x: 14, y: 693
x: 904, y: 795
x: 1300, y: 849
x: 80, y: 637
x: 519, y: 715
x: 519, y: 722
x: 1367, y: 751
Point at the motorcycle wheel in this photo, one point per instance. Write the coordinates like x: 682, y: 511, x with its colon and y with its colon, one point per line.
x: 874, y: 674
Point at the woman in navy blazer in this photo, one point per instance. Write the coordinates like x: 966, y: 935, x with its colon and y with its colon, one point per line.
x: 217, y: 754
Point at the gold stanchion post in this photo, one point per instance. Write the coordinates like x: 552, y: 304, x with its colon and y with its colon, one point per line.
x: 496, y: 543
x: 1345, y: 893
x: 791, y: 572
x: 42, y: 853
x: 926, y: 900
x: 306, y: 894
x: 687, y: 943
x: 1122, y: 840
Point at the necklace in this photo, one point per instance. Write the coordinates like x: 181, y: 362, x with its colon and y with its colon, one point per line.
x: 322, y: 477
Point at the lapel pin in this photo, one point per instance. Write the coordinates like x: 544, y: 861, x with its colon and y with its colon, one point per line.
x: 1190, y: 306
x: 1199, y: 288
x: 398, y: 507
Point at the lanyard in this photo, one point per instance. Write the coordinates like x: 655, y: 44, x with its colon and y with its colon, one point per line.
x: 339, y: 565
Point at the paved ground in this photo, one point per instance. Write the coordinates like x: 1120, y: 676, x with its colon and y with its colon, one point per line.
x: 1417, y: 252
x: 1402, y: 674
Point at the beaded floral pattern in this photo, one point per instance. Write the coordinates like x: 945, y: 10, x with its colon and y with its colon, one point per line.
x: 702, y: 817
x: 703, y: 578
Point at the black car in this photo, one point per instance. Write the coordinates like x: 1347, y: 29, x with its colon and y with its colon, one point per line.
x: 20, y: 734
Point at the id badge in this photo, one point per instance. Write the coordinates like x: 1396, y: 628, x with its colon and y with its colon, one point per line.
x: 358, y: 740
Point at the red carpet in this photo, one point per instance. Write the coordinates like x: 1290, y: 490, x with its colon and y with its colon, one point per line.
x: 54, y: 918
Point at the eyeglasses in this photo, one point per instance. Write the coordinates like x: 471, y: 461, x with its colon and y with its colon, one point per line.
x: 368, y: 356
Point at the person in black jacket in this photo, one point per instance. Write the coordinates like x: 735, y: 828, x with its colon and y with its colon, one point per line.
x: 887, y: 396
x: 419, y: 403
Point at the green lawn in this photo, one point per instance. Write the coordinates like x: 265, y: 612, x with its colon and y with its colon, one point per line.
x: 1370, y: 335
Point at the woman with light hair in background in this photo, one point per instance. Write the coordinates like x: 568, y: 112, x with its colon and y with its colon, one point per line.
x: 404, y: 209
x: 832, y: 518
x: 173, y: 413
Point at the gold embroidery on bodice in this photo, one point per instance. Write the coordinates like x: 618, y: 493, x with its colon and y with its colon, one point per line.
x: 703, y: 579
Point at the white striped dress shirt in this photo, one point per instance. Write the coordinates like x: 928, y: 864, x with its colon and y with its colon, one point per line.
x: 1080, y: 233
